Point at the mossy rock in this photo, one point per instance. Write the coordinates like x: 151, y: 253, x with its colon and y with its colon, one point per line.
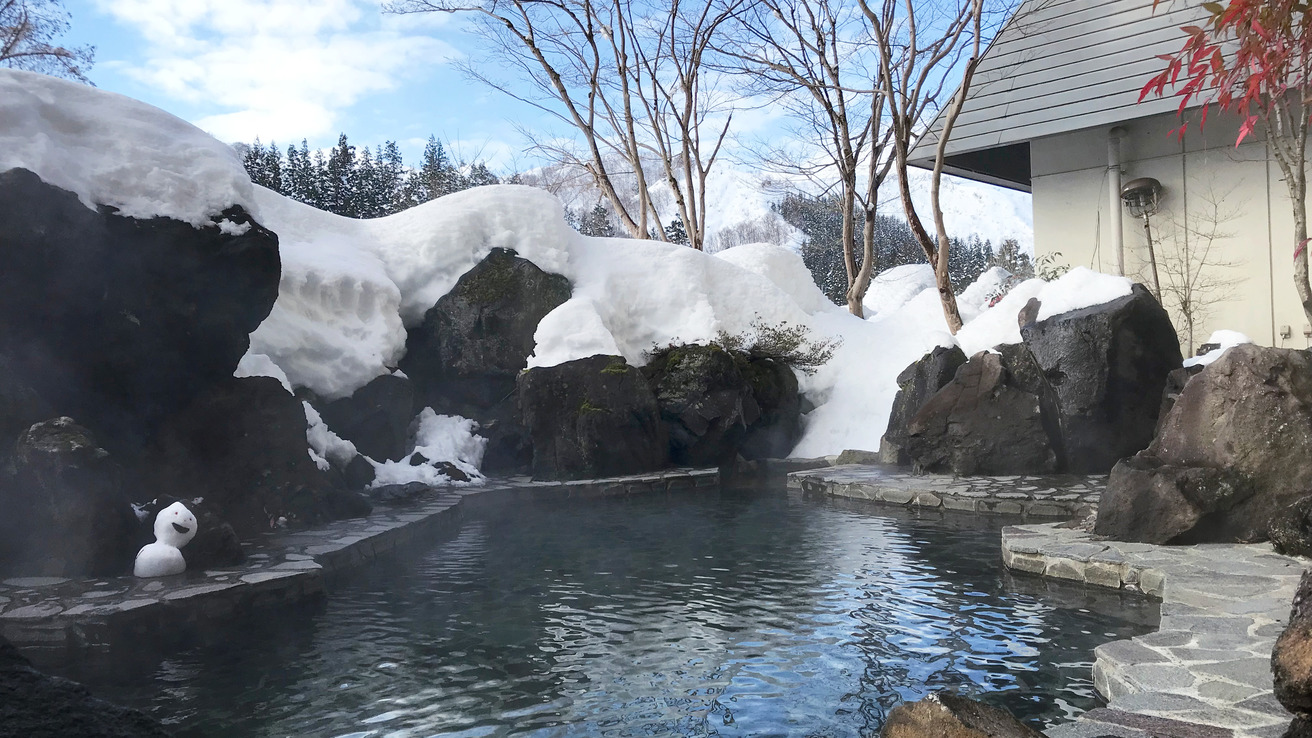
x: 465, y: 355
x: 586, y: 420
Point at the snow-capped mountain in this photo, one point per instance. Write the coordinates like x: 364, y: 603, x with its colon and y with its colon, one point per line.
x: 739, y: 204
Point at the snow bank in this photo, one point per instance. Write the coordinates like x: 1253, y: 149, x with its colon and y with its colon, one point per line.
x: 439, y: 438
x: 784, y: 268
x: 1226, y: 340
x: 892, y: 288
x: 336, y: 323
x: 350, y: 286
x: 113, y: 150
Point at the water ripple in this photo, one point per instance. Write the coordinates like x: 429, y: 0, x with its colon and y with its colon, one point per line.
x: 688, y: 615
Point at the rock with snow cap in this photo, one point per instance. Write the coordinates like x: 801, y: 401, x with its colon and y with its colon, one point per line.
x: 121, y: 322
x: 1107, y: 365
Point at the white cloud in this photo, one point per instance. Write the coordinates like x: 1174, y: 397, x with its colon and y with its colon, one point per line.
x: 279, y: 69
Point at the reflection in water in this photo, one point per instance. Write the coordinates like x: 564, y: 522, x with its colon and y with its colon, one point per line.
x: 697, y: 614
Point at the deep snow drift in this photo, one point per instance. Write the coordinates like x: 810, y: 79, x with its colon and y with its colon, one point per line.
x: 350, y: 287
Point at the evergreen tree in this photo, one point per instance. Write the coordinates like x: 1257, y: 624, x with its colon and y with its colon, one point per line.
x: 366, y: 197
x: 1011, y: 258
x: 967, y: 259
x: 676, y: 233
x: 257, y: 162
x: 340, y: 186
x: 319, y: 192
x: 436, y: 175
x: 391, y: 178
x: 273, y: 167
x: 597, y: 222
x: 479, y: 175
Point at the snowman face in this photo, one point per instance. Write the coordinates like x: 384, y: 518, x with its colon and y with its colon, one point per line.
x: 175, y: 525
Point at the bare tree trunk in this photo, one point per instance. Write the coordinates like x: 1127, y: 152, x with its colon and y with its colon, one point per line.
x: 1300, y: 257
x: 856, y: 292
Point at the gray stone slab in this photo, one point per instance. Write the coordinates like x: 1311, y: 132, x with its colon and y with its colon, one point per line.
x: 1158, y: 677
x: 1166, y: 638
x: 1128, y: 652
x: 1157, y: 703
x: 34, y: 582
x: 33, y: 612
x: 1226, y: 692
x: 1266, y: 704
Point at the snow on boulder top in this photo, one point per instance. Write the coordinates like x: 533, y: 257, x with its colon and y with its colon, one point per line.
x: 427, y: 248
x: 1224, y: 340
x: 113, y: 150
x: 782, y: 266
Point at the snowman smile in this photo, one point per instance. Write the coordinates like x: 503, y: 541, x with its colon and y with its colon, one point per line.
x: 184, y: 531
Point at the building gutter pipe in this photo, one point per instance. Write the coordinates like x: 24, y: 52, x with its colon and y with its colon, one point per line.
x: 1114, y: 196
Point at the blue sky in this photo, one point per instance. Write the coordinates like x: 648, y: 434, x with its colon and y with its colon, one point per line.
x: 285, y: 70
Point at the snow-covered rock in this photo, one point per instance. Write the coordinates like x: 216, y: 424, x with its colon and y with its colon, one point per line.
x: 112, y: 150
x: 1223, y: 340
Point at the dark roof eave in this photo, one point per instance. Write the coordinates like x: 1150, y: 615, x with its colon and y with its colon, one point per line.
x: 988, y: 166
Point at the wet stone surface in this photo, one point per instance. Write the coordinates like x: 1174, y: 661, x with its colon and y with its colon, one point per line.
x: 282, y: 567
x: 1054, y: 496
x: 1207, y: 670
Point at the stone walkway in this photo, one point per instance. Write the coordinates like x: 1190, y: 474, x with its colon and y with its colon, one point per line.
x: 1054, y: 496
x: 1206, y: 671
x: 281, y: 568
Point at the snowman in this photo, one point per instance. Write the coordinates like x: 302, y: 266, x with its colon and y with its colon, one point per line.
x: 174, y: 527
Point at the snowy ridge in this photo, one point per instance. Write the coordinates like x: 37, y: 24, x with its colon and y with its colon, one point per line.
x: 112, y: 150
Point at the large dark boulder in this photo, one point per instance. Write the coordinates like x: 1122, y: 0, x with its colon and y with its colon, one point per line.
x: 946, y: 715
x: 1290, y: 529
x: 1291, y: 661
x: 1107, y: 365
x: 1234, y: 451
x: 376, y: 417
x: 1153, y: 501
x: 472, y: 344
x: 465, y: 355
x: 593, y: 417
x: 1175, y: 382
x: 705, y: 401
x: 242, y: 447
x: 65, y: 512
x: 980, y: 423
x: 34, y: 705
x: 122, y: 322
x: 773, y: 385
x: 915, y: 385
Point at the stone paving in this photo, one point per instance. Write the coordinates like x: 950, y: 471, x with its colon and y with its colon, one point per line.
x: 1053, y: 496
x: 281, y: 568
x: 1206, y: 671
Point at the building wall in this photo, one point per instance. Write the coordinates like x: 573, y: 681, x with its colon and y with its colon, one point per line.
x: 1213, y: 192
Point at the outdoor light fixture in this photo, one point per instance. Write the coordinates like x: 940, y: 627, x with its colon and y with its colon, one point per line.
x: 1143, y: 197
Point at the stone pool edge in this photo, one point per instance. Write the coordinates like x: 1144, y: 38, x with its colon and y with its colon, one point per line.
x: 1052, y: 496
x: 1207, y: 668
x: 282, y: 568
